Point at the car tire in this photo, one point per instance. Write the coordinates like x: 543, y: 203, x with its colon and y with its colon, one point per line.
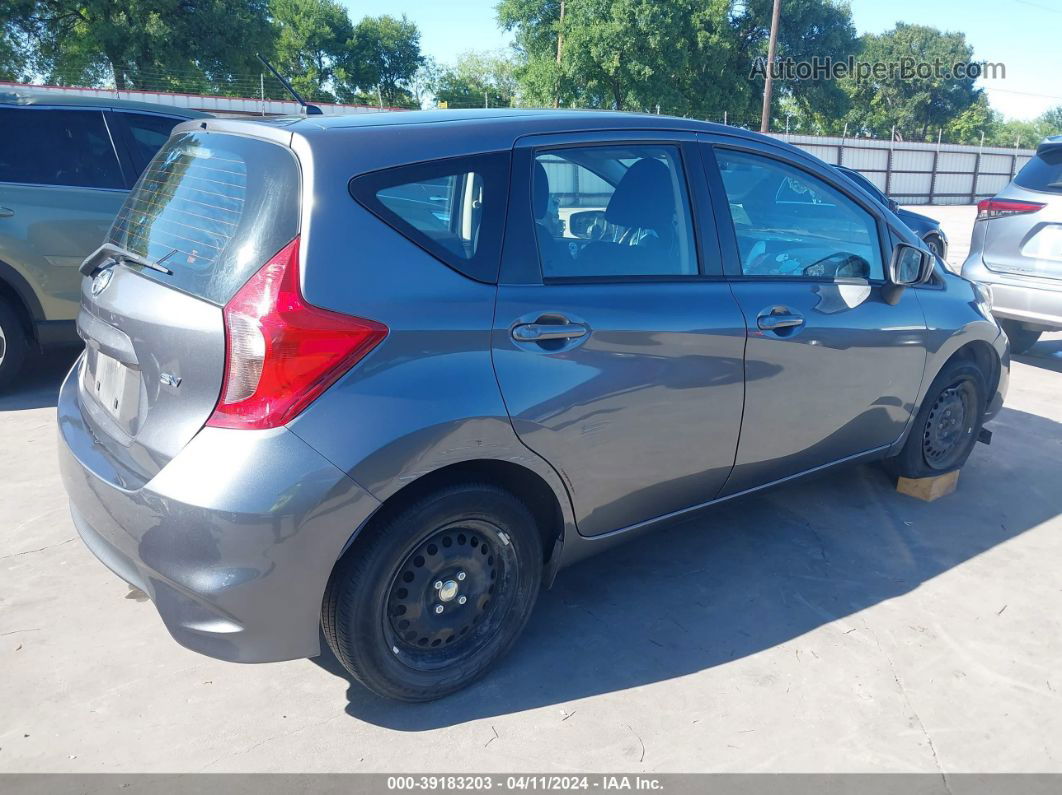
x: 935, y: 245
x: 947, y: 425
x: 14, y: 344
x: 472, y: 549
x: 1021, y: 338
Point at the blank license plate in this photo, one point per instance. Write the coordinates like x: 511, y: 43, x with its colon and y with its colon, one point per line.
x: 112, y: 384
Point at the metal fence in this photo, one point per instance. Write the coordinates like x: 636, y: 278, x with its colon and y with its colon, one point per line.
x: 917, y: 173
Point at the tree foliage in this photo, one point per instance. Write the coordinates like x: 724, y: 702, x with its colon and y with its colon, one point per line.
x: 689, y: 57
x: 311, y: 44
x: 919, y: 105
x: 156, y: 43
x: 478, y: 79
x: 210, y: 46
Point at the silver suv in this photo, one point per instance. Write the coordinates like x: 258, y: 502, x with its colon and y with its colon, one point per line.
x: 385, y: 375
x: 66, y: 165
x: 1016, y: 249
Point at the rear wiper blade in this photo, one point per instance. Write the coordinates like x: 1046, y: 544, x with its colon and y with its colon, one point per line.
x: 116, y: 253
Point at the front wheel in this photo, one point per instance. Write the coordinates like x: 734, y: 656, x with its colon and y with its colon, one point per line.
x: 425, y: 602
x: 935, y: 245
x: 1021, y: 338
x: 947, y: 424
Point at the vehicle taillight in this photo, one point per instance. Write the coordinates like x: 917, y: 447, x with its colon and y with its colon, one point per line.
x: 281, y: 353
x: 1001, y: 208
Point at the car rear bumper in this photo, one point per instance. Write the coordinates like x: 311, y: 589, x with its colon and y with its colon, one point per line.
x: 233, y: 540
x: 1034, y: 301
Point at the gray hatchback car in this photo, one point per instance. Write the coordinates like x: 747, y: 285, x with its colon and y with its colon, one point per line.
x: 385, y: 375
x: 1016, y: 248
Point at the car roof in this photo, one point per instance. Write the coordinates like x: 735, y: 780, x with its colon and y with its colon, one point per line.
x: 49, y: 99
x: 371, y: 140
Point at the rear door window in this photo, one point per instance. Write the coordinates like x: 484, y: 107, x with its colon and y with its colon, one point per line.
x: 58, y: 147
x: 213, y: 208
x: 1043, y: 172
x: 454, y: 208
x: 612, y: 212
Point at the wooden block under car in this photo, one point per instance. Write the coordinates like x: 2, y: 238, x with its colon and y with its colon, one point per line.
x: 929, y: 489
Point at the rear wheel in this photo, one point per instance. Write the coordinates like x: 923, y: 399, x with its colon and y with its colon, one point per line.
x: 1021, y: 338
x: 427, y: 601
x: 14, y: 344
x: 947, y: 424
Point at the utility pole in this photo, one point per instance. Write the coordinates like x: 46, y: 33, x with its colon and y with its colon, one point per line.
x: 560, y: 47
x: 768, y: 83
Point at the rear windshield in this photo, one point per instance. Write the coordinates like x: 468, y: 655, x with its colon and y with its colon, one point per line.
x: 212, y: 208
x: 1043, y: 172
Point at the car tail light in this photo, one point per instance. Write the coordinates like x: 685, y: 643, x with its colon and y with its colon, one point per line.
x: 1001, y: 208
x: 280, y: 352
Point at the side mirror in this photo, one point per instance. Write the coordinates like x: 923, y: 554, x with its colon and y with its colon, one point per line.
x: 910, y: 265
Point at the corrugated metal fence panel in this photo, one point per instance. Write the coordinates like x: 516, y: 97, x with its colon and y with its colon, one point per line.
x: 913, y: 166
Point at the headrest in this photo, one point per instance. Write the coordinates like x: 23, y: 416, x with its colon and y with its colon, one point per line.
x: 643, y: 198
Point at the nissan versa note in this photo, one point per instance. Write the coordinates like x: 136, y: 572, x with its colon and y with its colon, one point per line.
x: 384, y: 375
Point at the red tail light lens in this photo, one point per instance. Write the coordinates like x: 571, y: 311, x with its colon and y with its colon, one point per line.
x: 282, y: 353
x: 1001, y: 208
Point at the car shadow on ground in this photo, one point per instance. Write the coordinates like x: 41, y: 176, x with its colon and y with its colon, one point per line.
x: 37, y: 385
x: 1045, y: 354
x: 746, y: 576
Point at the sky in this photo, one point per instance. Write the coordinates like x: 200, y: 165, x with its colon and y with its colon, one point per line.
x: 1021, y: 34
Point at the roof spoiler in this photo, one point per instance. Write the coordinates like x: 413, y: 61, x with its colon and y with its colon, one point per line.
x: 1051, y: 143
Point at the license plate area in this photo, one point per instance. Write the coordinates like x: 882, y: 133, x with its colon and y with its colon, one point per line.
x: 115, y: 387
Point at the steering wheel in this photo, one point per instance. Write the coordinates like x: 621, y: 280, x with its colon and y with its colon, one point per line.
x: 843, y: 264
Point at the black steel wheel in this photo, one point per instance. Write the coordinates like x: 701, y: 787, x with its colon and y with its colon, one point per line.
x: 949, y: 425
x: 946, y: 427
x: 430, y: 596
x: 445, y: 598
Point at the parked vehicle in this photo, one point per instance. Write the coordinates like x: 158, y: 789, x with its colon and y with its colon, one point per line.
x: 928, y: 229
x: 343, y: 373
x: 1016, y: 249
x: 66, y: 164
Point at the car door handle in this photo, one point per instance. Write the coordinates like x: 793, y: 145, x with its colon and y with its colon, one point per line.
x: 538, y: 332
x: 6, y: 212
x: 773, y: 321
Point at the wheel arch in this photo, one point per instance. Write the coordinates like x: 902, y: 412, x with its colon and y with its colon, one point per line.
x: 552, y: 517
x: 984, y: 356
x: 17, y: 293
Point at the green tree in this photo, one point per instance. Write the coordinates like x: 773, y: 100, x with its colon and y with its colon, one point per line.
x: 976, y: 121
x: 384, y: 58
x: 919, y: 105
x: 478, y: 79
x: 690, y: 57
x: 16, y: 55
x: 807, y: 29
x: 621, y: 54
x: 1052, y: 119
x: 156, y: 44
x: 312, y: 43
